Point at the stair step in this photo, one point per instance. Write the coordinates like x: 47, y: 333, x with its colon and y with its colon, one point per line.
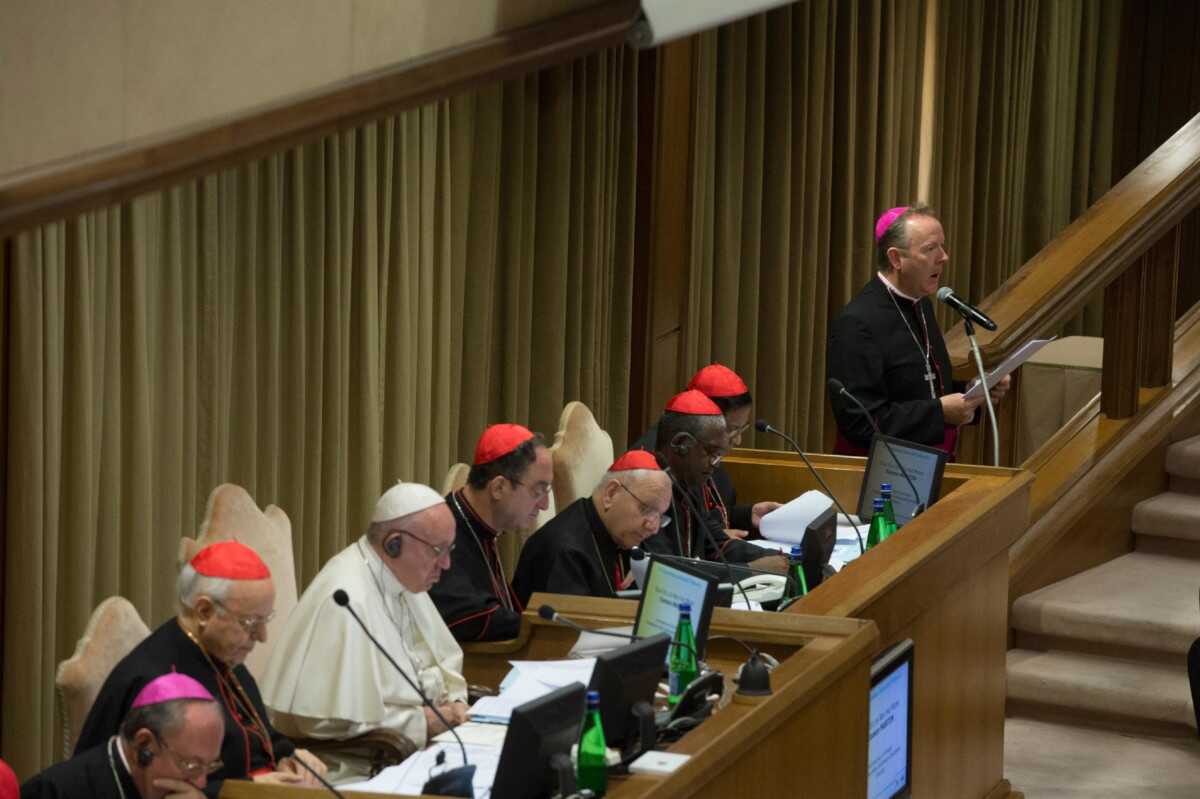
x: 1171, y: 514
x: 1102, y: 687
x: 1183, y: 458
x: 1137, y: 601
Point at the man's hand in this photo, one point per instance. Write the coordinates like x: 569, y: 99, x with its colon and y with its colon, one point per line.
x: 290, y: 765
x: 958, y: 410
x: 761, y: 509
x: 738, y: 534
x: 178, y: 789
x: 1001, y: 389
x: 279, y: 778
x: 455, y: 713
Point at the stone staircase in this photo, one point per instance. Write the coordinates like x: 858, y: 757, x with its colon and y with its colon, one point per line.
x: 1108, y: 647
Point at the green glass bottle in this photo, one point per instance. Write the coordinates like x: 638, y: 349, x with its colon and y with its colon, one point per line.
x: 889, y: 513
x: 592, y: 769
x: 797, y: 584
x: 682, y: 667
x: 879, y: 525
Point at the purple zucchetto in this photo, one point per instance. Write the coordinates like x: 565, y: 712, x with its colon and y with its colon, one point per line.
x: 886, y: 219
x: 169, y: 688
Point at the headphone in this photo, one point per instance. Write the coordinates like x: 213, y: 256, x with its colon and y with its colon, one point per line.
x: 392, y: 545
x: 144, y: 756
x: 681, y: 443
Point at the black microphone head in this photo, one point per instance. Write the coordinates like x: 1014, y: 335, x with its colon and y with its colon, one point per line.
x: 637, y: 553
x: 944, y: 293
x: 547, y: 612
x: 341, y: 597
x: 837, y: 385
x: 762, y: 426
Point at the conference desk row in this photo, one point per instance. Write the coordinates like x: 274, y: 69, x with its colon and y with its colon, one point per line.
x: 942, y: 582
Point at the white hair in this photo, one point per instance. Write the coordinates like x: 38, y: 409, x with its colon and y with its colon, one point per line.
x: 192, y: 585
x: 630, y: 475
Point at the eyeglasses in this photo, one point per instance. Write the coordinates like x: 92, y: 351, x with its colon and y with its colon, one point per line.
x: 538, y: 491
x: 715, y: 452
x: 648, y: 513
x: 437, y: 550
x: 734, y: 432
x: 190, y: 768
x: 249, y: 623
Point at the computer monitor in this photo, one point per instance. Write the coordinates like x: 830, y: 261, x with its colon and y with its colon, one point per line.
x: 625, y: 677
x: 538, y: 731
x: 924, y: 466
x: 889, y: 748
x: 668, y: 583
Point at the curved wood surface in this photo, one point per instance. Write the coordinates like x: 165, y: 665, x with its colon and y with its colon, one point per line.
x: 114, y: 175
x: 1092, y: 251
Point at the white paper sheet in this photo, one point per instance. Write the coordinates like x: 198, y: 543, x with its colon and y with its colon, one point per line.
x: 410, y: 776
x: 529, y: 680
x: 787, y: 524
x: 1010, y: 365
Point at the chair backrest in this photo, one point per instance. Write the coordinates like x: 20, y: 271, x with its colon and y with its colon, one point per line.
x: 456, y: 478
x: 114, y: 629
x: 582, y: 453
x: 233, y: 515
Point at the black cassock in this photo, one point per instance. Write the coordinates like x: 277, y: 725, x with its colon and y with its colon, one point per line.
x: 169, y: 649
x: 468, y: 593
x: 571, y: 554
x: 873, y: 352
x: 88, y: 775
x: 684, y: 534
x: 740, y: 516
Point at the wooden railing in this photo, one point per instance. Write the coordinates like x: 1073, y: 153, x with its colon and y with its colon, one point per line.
x: 1126, y: 244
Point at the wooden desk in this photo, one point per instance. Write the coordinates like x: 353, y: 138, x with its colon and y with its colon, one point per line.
x: 809, y: 736
x: 942, y: 581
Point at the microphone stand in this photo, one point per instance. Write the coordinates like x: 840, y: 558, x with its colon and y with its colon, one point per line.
x: 451, y: 782
x: 765, y: 427
x: 987, y: 393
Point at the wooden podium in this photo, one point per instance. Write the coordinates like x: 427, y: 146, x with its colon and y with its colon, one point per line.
x: 943, y: 582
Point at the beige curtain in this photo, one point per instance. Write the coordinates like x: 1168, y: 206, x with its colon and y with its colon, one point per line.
x: 808, y: 120
x: 312, y: 326
x: 1023, y: 132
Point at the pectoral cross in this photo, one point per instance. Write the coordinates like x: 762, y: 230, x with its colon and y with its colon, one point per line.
x: 929, y: 378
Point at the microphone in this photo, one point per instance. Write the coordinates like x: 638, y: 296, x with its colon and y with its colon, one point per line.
x: 763, y: 426
x: 451, y: 782
x: 842, y: 391
x: 318, y: 777
x: 554, y: 617
x: 968, y: 311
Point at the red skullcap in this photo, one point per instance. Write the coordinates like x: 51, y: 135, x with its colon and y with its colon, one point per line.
x: 499, y: 440
x: 8, y: 783
x: 693, y: 403
x: 635, y: 459
x: 717, y: 380
x: 230, y: 560
x: 886, y: 219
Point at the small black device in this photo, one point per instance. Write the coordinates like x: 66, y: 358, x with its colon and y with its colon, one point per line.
x: 536, y: 757
x: 626, y: 678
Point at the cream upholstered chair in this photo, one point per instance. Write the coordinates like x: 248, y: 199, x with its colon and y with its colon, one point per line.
x: 582, y: 453
x: 456, y: 478
x: 233, y: 515
x: 112, y: 632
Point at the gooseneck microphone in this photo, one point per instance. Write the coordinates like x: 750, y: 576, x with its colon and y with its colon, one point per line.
x: 551, y: 615
x: 763, y: 426
x: 451, y: 782
x: 842, y: 391
x: 964, y: 308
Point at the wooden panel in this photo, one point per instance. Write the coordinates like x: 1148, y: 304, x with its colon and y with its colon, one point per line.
x: 117, y: 174
x: 1160, y: 275
x: 1121, y: 374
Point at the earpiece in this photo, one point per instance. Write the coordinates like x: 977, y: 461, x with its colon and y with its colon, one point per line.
x: 392, y: 545
x: 681, y: 444
x: 144, y: 756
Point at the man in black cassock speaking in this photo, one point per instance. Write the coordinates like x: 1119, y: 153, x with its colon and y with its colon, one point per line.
x: 886, y: 348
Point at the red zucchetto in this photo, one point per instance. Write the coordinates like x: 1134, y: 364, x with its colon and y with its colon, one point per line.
x: 229, y: 560
x: 499, y: 440
x: 693, y: 403
x: 717, y: 380
x: 635, y: 459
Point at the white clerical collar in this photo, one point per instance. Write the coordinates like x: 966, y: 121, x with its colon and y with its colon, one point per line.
x: 895, y: 290
x: 389, y: 584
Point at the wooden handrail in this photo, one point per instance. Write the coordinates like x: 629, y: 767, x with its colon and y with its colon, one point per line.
x: 1093, y: 250
x: 116, y: 174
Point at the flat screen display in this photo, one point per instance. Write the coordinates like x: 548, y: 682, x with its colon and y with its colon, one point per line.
x: 924, y: 465
x: 889, y: 748
x: 667, y: 585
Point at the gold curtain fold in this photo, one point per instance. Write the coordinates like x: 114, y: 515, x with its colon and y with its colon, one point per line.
x: 1023, y: 131
x: 312, y: 326
x: 807, y: 125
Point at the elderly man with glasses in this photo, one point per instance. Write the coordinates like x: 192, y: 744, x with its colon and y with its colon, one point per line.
x: 226, y: 598
x: 327, y: 680
x: 508, y: 485
x: 584, y: 550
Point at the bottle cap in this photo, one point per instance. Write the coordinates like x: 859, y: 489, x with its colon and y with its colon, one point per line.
x: 796, y: 551
x: 593, y: 698
x: 878, y: 503
x: 885, y: 488
x: 685, y: 607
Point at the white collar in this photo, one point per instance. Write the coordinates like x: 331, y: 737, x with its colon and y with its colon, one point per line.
x: 895, y: 290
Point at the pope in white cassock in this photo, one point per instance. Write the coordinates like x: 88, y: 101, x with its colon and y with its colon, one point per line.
x: 326, y: 680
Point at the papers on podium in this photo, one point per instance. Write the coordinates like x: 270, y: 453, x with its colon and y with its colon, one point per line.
x: 1010, y: 365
